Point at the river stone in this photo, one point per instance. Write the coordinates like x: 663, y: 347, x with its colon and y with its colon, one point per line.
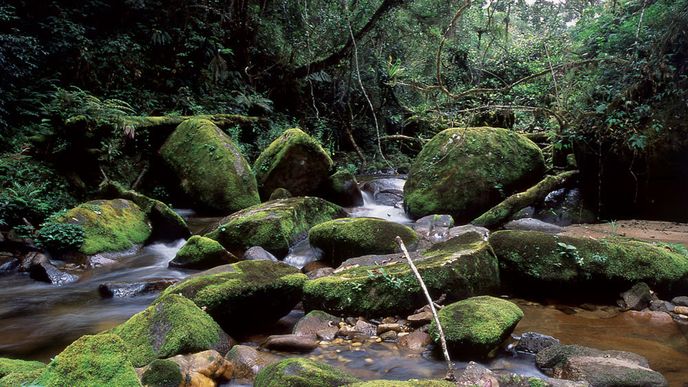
x: 434, y: 227
x: 530, y: 224
x: 257, y: 253
x: 342, y: 188
x: 637, y: 298
x: 317, y: 322
x: 210, y: 167
x: 476, y: 326
x: 248, y: 362
x: 302, y: 372
x: 246, y: 295
x: 464, y: 172
x: 207, y: 368
x: 171, y: 325
x: 388, y: 287
x: 275, y: 225
x: 532, y: 261
x: 345, y: 238
x: 534, y: 342
x: 109, y: 225
x: 41, y: 269
x: 294, y: 161
x: 599, y: 368
x: 680, y: 300
x: 202, y: 253
x: 100, y: 360
x: 415, y: 341
x: 290, y: 343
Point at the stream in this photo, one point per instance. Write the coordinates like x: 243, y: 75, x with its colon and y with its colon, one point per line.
x: 37, y: 320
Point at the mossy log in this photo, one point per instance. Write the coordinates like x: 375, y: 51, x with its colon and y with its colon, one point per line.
x: 500, y: 213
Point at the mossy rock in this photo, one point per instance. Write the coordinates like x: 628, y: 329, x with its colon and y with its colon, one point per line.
x: 549, y: 264
x: 402, y: 383
x: 345, y: 238
x: 294, y: 161
x: 386, y: 286
x: 202, y: 253
x: 109, y: 225
x: 463, y: 172
x: 162, y: 373
x: 91, y: 361
x: 342, y: 188
x: 245, y: 295
x: 210, y: 167
x: 476, y: 326
x: 15, y: 372
x: 20, y: 378
x: 172, y: 325
x: 280, y: 193
x: 273, y: 225
x: 299, y: 372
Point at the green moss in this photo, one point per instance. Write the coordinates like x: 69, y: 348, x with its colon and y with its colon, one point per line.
x: 273, y: 225
x: 400, y: 383
x: 211, y: 168
x: 476, y: 326
x: 252, y: 294
x: 455, y: 269
x: 10, y: 366
x: 294, y: 161
x: 299, y: 372
x: 109, y: 225
x: 463, y: 172
x: 91, y: 361
x: 162, y: 373
x: 202, y: 253
x: 341, y: 239
x: 20, y: 378
x: 172, y: 325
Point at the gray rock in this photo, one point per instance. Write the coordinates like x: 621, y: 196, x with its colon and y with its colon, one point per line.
x: 291, y: 343
x: 434, y: 227
x: 365, y: 328
x: 534, y: 342
x: 477, y: 375
x: 661, y: 306
x: 637, y: 298
x: 530, y: 224
x: 258, y: 253
x: 317, y: 323
x: 41, y: 269
x: 469, y: 230
x: 680, y: 301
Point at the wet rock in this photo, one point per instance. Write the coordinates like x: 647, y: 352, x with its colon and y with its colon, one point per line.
x: 420, y: 319
x: 476, y: 375
x: 681, y: 310
x: 563, y: 207
x: 680, y: 300
x: 257, y: 253
x: 365, y: 328
x: 280, y: 193
x: 534, y: 342
x: 133, y: 289
x: 291, y: 343
x: 40, y: 269
x: 599, y: 368
x: 434, y: 228
x: 207, y: 368
x: 342, y: 188
x: 201, y: 253
x: 8, y: 263
x: 530, y: 224
x: 394, y: 327
x: 248, y: 361
x: 318, y: 323
x: 302, y: 372
x: 389, y: 336
x: 469, y: 232
x: 386, y: 191
x: 415, y: 341
x: 161, y: 373
x: 661, y: 306
x: 477, y: 326
x: 637, y: 298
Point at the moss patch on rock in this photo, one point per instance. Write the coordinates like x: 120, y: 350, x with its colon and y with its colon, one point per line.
x: 273, y: 225
x: 465, y: 171
x: 341, y: 239
x: 202, y: 253
x: 299, y: 372
x: 294, y: 161
x: 170, y: 326
x: 15, y: 372
x: 246, y: 295
x: 454, y: 268
x: 162, y: 373
x: 476, y: 326
x: 210, y: 167
x: 109, y: 225
x: 100, y: 360
x: 554, y: 264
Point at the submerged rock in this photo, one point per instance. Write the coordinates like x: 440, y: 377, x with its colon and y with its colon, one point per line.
x: 210, y: 167
x: 465, y: 171
x: 202, y: 253
x: 294, y: 161
x: 300, y: 372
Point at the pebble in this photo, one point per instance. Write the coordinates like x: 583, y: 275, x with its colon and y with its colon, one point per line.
x: 681, y: 310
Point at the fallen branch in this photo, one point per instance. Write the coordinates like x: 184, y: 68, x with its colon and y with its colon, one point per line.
x: 500, y: 213
x: 443, y: 340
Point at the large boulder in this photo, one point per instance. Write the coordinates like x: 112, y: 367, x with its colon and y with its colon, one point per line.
x: 170, y: 326
x: 202, y: 253
x: 100, y: 360
x: 210, y: 167
x: 341, y: 239
x: 294, y: 161
x: 245, y: 295
x: 273, y: 225
x: 384, y: 285
x: 533, y: 261
x: 476, y: 326
x: 109, y: 225
x: 465, y: 171
x: 14, y: 372
x: 298, y: 372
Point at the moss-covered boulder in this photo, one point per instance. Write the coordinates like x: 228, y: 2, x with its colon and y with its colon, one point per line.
x: 294, y: 161
x: 465, y: 171
x: 100, y: 360
x: 162, y: 373
x: 342, y: 188
x: 476, y: 326
x: 385, y: 285
x: 341, y: 239
x: 404, y: 383
x: 245, y: 295
x: 170, y: 326
x: 299, y: 372
x: 202, y: 253
x: 109, y: 225
x: 14, y: 372
x: 532, y: 261
x: 210, y: 167
x: 273, y: 225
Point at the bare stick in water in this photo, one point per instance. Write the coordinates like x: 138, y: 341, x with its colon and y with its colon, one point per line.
x: 443, y: 340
